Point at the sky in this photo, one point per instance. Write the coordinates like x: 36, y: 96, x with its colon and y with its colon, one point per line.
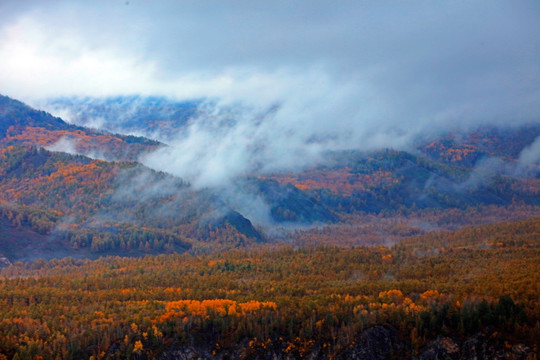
x: 297, y: 77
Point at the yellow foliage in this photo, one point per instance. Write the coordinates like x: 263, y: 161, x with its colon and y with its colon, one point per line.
x: 220, y: 307
x: 393, y: 295
x: 137, y: 347
x: 430, y: 295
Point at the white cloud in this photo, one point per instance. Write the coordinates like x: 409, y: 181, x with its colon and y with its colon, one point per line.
x: 531, y: 154
x: 64, y: 144
x: 359, y: 75
x: 39, y: 64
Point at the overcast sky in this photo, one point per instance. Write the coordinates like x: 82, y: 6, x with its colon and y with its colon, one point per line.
x: 413, y: 58
x: 364, y: 72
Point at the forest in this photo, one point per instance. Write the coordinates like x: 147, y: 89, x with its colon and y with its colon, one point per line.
x: 269, y: 180
x: 475, y: 289
x: 369, y: 255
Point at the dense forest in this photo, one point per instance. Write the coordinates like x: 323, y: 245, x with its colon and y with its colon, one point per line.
x: 473, y: 291
x: 269, y: 180
x: 369, y: 255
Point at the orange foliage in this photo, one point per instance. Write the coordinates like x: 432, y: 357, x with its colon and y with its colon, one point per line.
x: 41, y: 136
x: 208, y: 308
x: 339, y: 181
x: 452, y: 152
x: 85, y: 141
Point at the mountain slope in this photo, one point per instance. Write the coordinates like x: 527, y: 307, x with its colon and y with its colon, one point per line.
x: 17, y: 114
x: 108, y: 207
x: 399, y: 181
x: 125, y: 208
x: 466, y: 149
x: 127, y: 114
x: 20, y: 124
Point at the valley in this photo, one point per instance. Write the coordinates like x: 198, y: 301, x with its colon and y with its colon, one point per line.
x: 428, y: 253
x: 269, y: 180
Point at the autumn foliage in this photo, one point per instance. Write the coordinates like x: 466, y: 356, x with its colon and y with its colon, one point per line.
x: 278, y: 299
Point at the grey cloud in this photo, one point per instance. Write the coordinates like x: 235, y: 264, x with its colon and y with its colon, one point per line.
x: 484, y: 171
x: 348, y: 74
x: 531, y: 154
x: 69, y: 144
x: 64, y: 144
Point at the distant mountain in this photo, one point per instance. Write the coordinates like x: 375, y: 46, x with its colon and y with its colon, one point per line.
x: 16, y: 114
x: 22, y: 125
x: 145, y: 115
x: 73, y: 204
x: 397, y: 181
x: 466, y: 149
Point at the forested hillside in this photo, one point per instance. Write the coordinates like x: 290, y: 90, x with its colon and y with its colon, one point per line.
x: 400, y: 182
x: 431, y: 253
x: 22, y: 125
x: 467, y: 294
x: 88, y: 207
x: 106, y: 207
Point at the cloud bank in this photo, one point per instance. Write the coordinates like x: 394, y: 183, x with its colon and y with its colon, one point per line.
x: 287, y: 81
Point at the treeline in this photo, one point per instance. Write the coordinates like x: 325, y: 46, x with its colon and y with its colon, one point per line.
x: 124, y: 237
x: 315, y: 301
x: 438, y: 225
x: 39, y: 220
x: 100, y: 238
x: 402, y: 183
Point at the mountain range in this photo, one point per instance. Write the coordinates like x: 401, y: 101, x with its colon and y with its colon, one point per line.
x: 68, y: 190
x: 102, y: 256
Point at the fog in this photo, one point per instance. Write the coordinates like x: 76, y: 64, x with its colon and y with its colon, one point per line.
x: 282, y: 83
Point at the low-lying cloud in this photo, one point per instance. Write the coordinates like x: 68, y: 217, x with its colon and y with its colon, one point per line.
x: 531, y: 154
x: 69, y: 145
x: 224, y: 142
x: 285, y: 82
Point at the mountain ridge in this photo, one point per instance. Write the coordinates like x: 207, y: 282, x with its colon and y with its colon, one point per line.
x: 21, y: 124
x: 115, y: 207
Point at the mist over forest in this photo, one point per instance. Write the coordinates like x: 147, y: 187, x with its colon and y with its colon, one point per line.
x: 269, y: 180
